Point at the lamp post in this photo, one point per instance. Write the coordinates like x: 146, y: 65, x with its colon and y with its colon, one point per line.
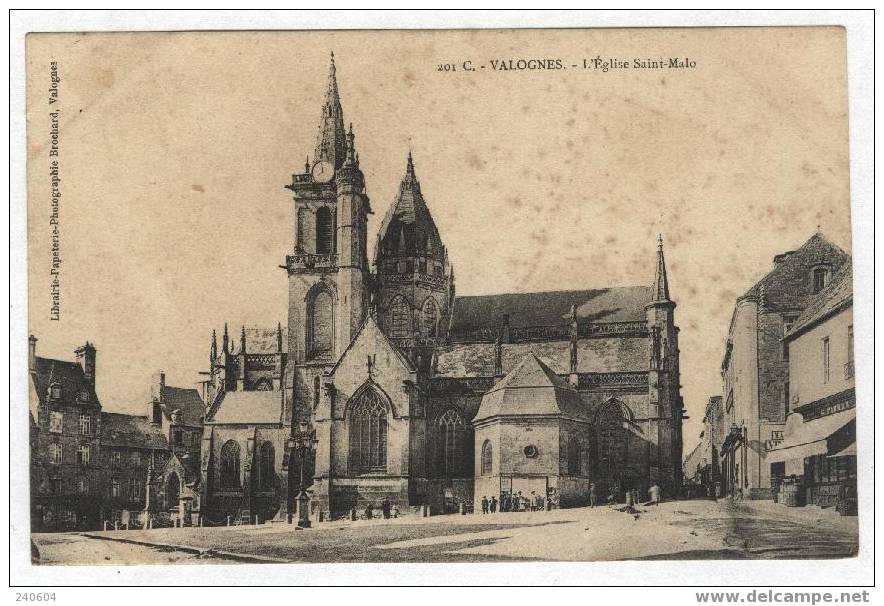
x: 303, y: 442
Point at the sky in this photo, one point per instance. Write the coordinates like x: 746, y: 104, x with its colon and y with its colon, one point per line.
x: 174, y: 149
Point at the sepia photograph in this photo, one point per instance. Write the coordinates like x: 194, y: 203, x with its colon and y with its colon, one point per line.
x: 441, y: 296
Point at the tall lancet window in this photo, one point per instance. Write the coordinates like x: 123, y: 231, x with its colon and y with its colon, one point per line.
x: 400, y: 318
x: 450, y: 428
x: 230, y: 465
x: 429, y: 318
x: 368, y: 433
x: 325, y: 231
x: 321, y: 328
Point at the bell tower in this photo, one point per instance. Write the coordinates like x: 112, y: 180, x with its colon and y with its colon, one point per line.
x: 328, y: 267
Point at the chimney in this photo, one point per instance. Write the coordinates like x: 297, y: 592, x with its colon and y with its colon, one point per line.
x: 32, y: 353
x: 157, y: 397
x: 85, y: 356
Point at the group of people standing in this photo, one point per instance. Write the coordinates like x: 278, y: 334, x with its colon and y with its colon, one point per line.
x: 516, y: 502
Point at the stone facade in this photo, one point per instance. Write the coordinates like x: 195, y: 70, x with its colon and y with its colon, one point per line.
x: 754, y: 370
x: 389, y: 367
x: 90, y: 466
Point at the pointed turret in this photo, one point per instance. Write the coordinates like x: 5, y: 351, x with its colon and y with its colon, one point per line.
x: 661, y: 282
x: 213, y: 350
x: 225, y: 341
x: 242, y: 340
x: 331, y: 143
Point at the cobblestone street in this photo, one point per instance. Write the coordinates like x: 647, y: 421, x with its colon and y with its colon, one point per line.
x: 675, y: 530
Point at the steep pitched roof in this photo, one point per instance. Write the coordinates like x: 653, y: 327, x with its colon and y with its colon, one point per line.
x: 789, y: 284
x: 331, y: 144
x: 838, y: 293
x: 531, y: 388
x: 408, y: 229
x: 68, y: 375
x: 186, y: 400
x: 247, y: 408
x: 472, y: 315
x: 131, y: 431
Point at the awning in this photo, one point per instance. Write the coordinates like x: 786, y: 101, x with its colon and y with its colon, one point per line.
x: 808, y: 438
x: 850, y: 451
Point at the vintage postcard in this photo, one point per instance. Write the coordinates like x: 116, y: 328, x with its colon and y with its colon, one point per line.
x: 440, y: 296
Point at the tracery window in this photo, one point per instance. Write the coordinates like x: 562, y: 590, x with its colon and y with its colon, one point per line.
x: 368, y: 433
x: 611, y: 438
x: 230, y: 465
x: 450, y: 429
x: 429, y: 318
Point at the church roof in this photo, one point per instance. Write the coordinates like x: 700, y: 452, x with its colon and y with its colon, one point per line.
x: 839, y: 292
x: 132, y: 431
x: 789, y: 284
x: 531, y: 388
x: 408, y: 229
x: 473, y: 315
x: 248, y: 408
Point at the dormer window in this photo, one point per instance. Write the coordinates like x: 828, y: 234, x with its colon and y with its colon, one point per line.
x: 820, y: 279
x: 55, y: 391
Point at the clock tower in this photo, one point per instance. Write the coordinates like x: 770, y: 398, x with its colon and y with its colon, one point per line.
x: 328, y: 267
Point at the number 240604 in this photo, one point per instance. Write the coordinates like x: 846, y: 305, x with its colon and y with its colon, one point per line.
x: 35, y: 597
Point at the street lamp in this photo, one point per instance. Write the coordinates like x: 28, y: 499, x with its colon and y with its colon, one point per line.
x: 303, y: 442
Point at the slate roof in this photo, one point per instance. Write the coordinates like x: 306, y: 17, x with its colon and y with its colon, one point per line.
x: 408, y: 228
x: 132, y: 431
x: 618, y: 304
x: 790, y: 284
x: 68, y: 375
x: 837, y: 293
x: 188, y: 401
x: 531, y: 388
x: 597, y: 355
x: 248, y: 408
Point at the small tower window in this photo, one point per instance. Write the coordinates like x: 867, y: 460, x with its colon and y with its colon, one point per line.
x: 321, y: 325
x: 230, y: 465
x: 487, y: 457
x: 820, y: 278
x: 451, y: 427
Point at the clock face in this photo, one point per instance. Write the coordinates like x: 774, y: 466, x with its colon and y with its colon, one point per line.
x: 323, y: 171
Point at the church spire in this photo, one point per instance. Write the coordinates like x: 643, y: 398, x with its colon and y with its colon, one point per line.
x: 331, y: 144
x: 661, y: 282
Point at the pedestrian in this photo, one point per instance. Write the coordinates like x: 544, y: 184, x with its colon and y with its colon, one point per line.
x: 592, y: 495
x: 655, y: 494
x: 492, y: 506
x: 385, y: 508
x: 538, y: 502
x: 533, y: 501
x: 484, y: 504
x: 368, y: 511
x: 395, y: 511
x: 518, y: 503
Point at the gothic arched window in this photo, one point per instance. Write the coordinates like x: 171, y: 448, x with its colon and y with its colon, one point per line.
x: 266, y: 466
x: 230, y: 465
x: 487, y: 457
x: 400, y: 319
x: 368, y: 433
x: 320, y: 327
x: 450, y: 429
x: 429, y: 317
x: 574, y: 457
x: 611, y: 439
x: 325, y: 231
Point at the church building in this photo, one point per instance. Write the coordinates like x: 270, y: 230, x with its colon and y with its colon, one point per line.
x: 420, y: 397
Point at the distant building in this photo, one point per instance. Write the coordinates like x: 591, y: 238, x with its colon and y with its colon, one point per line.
x: 754, y: 370
x: 819, y: 438
x: 89, y: 466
